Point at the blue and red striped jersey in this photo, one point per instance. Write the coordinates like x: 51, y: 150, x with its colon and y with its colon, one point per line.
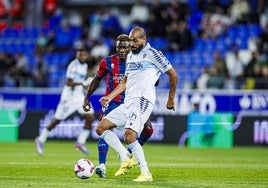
x: 114, y: 70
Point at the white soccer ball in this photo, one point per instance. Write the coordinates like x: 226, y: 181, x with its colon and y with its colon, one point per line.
x: 84, y: 168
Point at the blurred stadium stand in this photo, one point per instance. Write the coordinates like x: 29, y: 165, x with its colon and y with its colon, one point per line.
x: 188, y: 63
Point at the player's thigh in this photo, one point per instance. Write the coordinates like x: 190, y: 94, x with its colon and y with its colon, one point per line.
x: 104, y: 125
x: 118, y: 116
x: 64, y: 109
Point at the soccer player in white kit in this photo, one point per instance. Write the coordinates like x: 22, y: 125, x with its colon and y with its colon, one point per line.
x: 144, y: 66
x: 71, y: 100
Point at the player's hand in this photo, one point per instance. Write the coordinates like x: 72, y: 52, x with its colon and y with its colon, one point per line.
x: 86, y: 105
x: 170, y: 104
x: 104, y: 101
x: 85, y: 87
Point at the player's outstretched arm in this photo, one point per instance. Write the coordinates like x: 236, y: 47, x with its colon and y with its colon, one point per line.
x: 91, y: 89
x: 173, y: 79
x: 121, y: 87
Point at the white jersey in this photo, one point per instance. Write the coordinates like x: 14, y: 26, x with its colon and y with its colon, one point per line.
x: 143, y: 70
x: 78, y: 73
x: 72, y: 97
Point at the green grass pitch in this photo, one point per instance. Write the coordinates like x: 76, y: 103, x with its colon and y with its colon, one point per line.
x: 171, y: 166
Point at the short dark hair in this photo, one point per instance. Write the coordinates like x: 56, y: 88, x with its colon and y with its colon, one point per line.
x: 122, y: 37
x: 82, y: 49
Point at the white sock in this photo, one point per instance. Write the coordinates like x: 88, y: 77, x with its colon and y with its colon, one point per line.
x: 43, y: 136
x: 138, y: 153
x: 112, y: 139
x: 82, y: 138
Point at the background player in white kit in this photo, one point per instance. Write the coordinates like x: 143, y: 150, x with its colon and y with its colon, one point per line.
x: 72, y: 98
x: 143, y: 68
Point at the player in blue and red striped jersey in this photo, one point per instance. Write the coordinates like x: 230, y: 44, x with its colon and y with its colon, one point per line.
x: 113, y: 68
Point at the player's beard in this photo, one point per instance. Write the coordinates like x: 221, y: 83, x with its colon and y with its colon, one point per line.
x: 137, y: 49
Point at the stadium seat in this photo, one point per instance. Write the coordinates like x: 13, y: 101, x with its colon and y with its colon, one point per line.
x: 254, y: 30
x: 199, y: 45
x: 29, y: 33
x: 169, y: 56
x: 9, y: 33
x: 159, y: 43
x: 210, y: 45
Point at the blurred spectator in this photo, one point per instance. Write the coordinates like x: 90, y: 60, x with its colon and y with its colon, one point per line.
x: 215, y: 81
x: 178, y: 11
x: 255, y: 11
x: 220, y: 63
x: 205, y: 22
x: 139, y: 13
x: 92, y: 65
x: 219, y: 22
x: 236, y: 71
x: 215, y: 24
x: 263, y: 18
x: 156, y: 9
x: 10, y: 63
x: 4, y: 8
x: 210, y: 5
x: 17, y: 10
x: 264, y: 40
x: 3, y: 68
x: 202, y: 80
x: 261, y: 73
x: 50, y: 7
x: 21, y: 71
x: 257, y: 76
x: 75, y: 19
x: 41, y: 43
x: 95, y: 24
x: 99, y: 50
x: 5, y: 65
x: 261, y: 6
x: 40, y: 71
x: 249, y: 71
x: 249, y: 68
x: 265, y: 76
x: 179, y: 36
x: 111, y: 26
x: 158, y: 20
x: 239, y: 11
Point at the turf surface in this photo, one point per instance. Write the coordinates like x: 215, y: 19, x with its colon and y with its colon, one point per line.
x: 170, y: 165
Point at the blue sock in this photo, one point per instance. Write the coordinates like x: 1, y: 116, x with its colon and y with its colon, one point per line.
x: 103, y: 150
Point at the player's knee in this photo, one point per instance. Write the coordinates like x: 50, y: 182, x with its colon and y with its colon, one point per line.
x: 99, y: 129
x: 103, y: 126
x: 130, y: 136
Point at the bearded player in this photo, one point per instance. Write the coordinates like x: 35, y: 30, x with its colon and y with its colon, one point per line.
x: 113, y: 68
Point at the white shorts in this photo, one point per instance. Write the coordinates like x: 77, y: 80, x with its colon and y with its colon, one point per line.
x: 67, y: 107
x: 131, y: 114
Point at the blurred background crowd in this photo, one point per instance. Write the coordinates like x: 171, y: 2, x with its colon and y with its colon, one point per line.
x: 213, y: 44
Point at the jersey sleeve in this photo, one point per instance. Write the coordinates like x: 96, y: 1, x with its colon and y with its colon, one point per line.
x: 102, y: 69
x: 160, y: 60
x: 70, y: 73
